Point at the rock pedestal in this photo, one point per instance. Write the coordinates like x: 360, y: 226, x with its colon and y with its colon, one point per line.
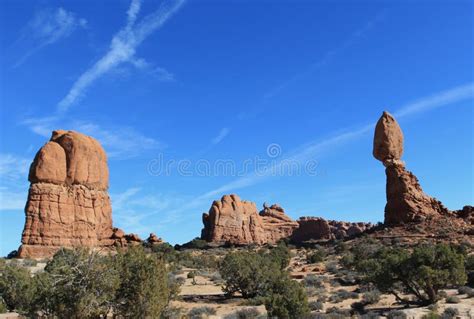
x: 406, y: 201
x: 68, y: 204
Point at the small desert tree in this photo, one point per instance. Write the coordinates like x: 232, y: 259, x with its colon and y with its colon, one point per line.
x: 16, y: 288
x: 143, y: 290
x: 422, y: 272
x: 76, y: 283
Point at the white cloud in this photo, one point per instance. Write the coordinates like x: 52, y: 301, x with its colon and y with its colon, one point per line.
x: 122, y: 47
x: 457, y: 94
x: 13, y: 167
x: 11, y: 200
x: 47, y: 27
x: 222, y: 135
x: 120, y: 142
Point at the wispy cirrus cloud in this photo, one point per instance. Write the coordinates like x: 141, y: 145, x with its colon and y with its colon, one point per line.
x: 320, y: 147
x: 221, y: 136
x: 329, y: 55
x: 122, y: 47
x: 13, y: 181
x: 47, y: 27
x: 120, y: 142
x: 13, y: 167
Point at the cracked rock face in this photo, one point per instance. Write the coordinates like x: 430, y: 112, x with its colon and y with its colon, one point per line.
x: 68, y: 203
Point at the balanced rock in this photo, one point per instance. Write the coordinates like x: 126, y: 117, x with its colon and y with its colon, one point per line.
x: 406, y: 201
x: 68, y: 204
x: 388, y: 139
x: 238, y: 222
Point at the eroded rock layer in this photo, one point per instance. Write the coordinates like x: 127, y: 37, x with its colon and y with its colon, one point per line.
x: 68, y: 204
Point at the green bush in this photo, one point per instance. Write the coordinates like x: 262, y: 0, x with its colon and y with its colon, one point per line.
x: 315, y: 256
x: 286, y: 299
x: 453, y: 299
x: 450, y: 313
x: 201, y: 312
x: 77, y: 283
x: 371, y: 297
x: 256, y: 276
x: 316, y: 305
x: 248, y: 273
x: 16, y: 288
x: 143, y: 290
x: 422, y: 273
x: 246, y: 313
x: 280, y: 255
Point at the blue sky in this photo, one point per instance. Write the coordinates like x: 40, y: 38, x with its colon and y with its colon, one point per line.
x: 251, y: 85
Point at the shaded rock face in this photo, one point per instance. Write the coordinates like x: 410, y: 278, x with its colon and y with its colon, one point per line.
x: 233, y: 221
x: 68, y: 204
x: 317, y: 228
x: 406, y: 201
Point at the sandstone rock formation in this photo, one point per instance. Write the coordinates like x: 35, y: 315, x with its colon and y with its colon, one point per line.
x: 233, y: 221
x: 237, y: 222
x: 276, y: 224
x: 317, y: 228
x: 68, y: 204
x: 153, y: 239
x: 406, y: 201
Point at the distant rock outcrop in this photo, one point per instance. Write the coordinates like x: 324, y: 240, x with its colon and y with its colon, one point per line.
x: 68, y: 204
x: 317, y: 228
x: 232, y: 221
x: 406, y: 201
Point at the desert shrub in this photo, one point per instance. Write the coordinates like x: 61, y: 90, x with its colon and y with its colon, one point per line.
x: 255, y: 275
x: 315, y: 256
x: 174, y: 285
x: 165, y: 251
x: 422, y: 273
x: 335, y: 312
x: 16, y: 288
x: 280, y: 255
x: 143, y: 290
x: 316, y: 305
x: 77, y: 283
x: 172, y: 313
x: 313, y: 281
x: 332, y: 267
x: 248, y: 273
x: 246, y: 313
x: 216, y: 278
x: 201, y: 312
x: 470, y: 270
x: 3, y: 306
x: 29, y: 262
x: 347, y: 260
x: 196, y: 243
x: 449, y: 313
x: 464, y: 290
x: 358, y: 306
x: 340, y: 247
x: 286, y: 298
x: 431, y: 315
x: 341, y: 295
x: 453, y: 299
x: 396, y: 314
x: 371, y: 297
